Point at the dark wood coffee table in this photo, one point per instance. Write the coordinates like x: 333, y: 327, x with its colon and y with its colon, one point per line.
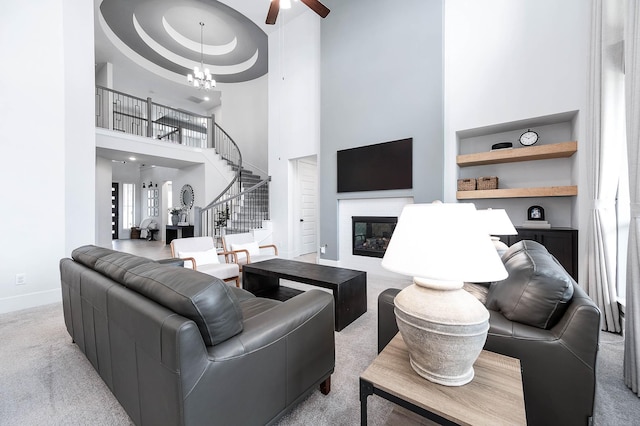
x: 349, y: 286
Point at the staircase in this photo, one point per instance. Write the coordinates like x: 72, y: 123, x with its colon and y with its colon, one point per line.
x: 244, y: 204
x: 252, y: 207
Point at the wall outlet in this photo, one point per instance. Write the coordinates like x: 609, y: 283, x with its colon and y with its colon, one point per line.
x: 323, y: 249
x: 21, y: 279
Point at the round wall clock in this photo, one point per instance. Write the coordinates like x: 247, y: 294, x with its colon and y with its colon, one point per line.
x: 535, y: 213
x: 528, y: 138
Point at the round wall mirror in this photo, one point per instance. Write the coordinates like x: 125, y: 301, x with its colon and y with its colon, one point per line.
x: 186, y: 196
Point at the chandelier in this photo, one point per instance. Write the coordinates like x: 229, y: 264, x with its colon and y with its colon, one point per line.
x: 201, y: 77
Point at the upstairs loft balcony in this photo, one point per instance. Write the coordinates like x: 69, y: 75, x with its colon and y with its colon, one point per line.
x: 142, y: 117
x: 121, y: 112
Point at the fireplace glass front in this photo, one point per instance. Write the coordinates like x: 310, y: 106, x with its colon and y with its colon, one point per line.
x: 371, y: 234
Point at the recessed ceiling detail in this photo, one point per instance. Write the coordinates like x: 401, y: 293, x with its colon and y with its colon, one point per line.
x: 190, y: 44
x: 159, y: 35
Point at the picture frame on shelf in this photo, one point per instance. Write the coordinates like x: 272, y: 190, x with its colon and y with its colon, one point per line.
x: 535, y: 213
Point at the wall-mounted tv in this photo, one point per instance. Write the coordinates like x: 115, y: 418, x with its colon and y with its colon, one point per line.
x: 378, y: 167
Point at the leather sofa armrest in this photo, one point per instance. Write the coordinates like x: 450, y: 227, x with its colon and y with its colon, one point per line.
x: 312, y: 310
x: 387, y: 326
x: 579, y: 328
x: 558, y: 365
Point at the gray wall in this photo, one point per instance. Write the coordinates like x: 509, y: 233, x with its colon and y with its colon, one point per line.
x: 381, y: 80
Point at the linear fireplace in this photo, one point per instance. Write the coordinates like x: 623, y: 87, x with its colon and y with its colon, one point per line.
x: 371, y: 234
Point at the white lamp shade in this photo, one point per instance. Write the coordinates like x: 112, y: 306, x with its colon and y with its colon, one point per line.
x: 496, y: 222
x: 443, y: 242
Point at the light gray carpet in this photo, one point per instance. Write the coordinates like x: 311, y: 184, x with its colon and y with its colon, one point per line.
x: 45, y: 379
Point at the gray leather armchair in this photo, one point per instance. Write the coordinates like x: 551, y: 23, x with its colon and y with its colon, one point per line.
x: 180, y: 347
x: 557, y: 354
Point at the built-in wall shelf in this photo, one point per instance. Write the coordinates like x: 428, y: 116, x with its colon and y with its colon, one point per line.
x: 544, y: 174
x: 546, y: 191
x: 542, y: 152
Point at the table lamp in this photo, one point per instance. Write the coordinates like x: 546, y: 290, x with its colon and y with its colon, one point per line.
x: 497, y: 222
x: 441, y: 246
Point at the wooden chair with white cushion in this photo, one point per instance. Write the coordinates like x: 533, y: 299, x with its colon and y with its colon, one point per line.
x: 247, y: 249
x: 200, y: 254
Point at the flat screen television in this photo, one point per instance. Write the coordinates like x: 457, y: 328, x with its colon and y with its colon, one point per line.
x: 378, y: 167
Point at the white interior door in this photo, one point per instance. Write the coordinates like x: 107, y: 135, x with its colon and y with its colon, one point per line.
x: 307, y: 205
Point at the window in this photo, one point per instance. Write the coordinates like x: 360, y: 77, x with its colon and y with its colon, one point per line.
x: 128, y: 205
x: 153, y: 206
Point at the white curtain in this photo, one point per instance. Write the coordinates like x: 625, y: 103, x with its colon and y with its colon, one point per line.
x: 605, y: 136
x: 632, y: 91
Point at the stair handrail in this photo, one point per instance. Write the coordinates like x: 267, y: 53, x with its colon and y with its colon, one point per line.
x: 226, y: 155
x: 218, y: 202
x: 227, y: 148
x: 215, y: 216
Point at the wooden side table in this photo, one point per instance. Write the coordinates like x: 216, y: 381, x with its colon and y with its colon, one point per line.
x: 493, y: 397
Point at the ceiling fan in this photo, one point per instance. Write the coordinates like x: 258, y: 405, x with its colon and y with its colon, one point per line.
x: 314, y: 5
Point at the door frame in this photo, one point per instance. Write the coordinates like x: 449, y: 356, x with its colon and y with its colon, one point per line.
x: 296, y: 206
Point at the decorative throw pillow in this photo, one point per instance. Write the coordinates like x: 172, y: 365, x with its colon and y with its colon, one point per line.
x: 206, y: 257
x: 251, y: 247
x: 537, y: 290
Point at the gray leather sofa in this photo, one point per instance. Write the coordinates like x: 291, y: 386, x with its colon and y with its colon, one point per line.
x: 541, y: 316
x: 179, y: 347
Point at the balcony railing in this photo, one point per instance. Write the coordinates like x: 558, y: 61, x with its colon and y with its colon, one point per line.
x: 143, y: 117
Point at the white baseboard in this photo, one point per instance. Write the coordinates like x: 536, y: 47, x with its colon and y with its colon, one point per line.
x: 30, y: 300
x: 328, y: 262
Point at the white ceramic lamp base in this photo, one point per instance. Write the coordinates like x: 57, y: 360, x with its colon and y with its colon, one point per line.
x: 444, y: 328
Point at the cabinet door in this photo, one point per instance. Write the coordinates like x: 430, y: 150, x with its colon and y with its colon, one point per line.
x: 561, y: 243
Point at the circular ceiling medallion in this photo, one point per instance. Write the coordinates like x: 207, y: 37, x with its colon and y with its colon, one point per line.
x: 165, y: 34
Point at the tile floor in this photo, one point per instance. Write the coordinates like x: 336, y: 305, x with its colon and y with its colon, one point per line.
x: 155, y: 250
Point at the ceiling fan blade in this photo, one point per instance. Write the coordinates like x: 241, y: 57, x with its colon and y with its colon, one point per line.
x: 317, y: 7
x: 274, y: 8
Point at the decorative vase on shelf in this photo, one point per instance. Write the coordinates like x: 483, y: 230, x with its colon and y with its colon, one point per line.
x: 175, y: 219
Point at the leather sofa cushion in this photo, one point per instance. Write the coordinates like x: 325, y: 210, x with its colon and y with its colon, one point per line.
x: 537, y: 290
x: 110, y: 263
x: 89, y: 255
x: 116, y: 264
x: 206, y: 300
